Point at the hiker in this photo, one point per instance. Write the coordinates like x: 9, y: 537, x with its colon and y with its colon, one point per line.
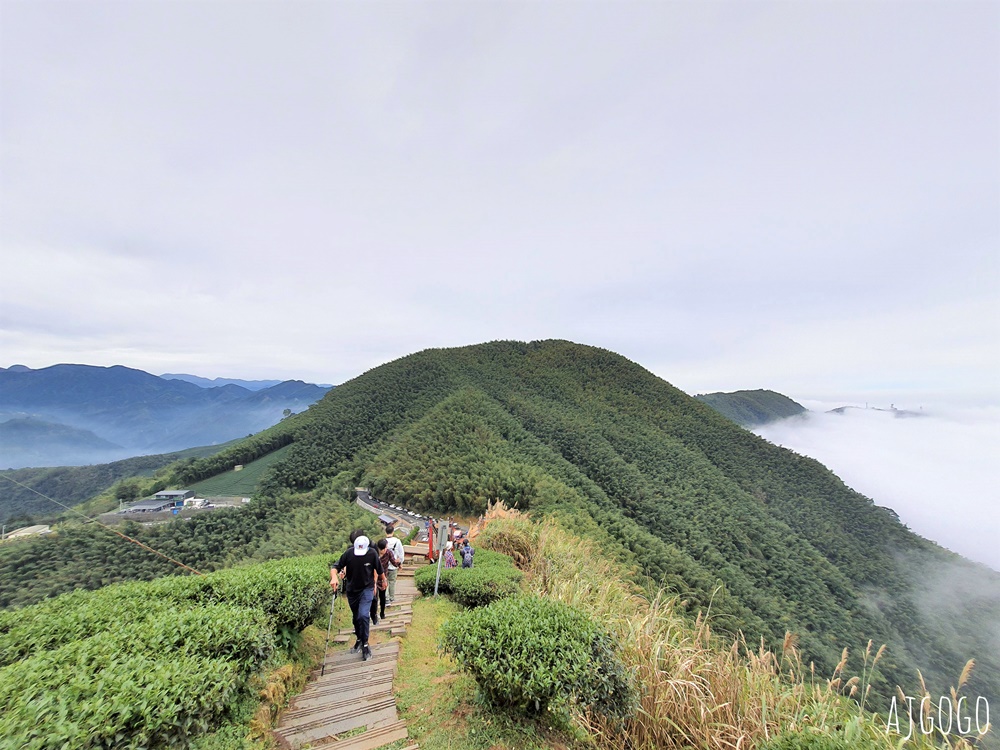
x: 466, y: 551
x: 360, y: 568
x: 449, y: 556
x: 378, y: 600
x: 432, y: 531
x: 396, y: 548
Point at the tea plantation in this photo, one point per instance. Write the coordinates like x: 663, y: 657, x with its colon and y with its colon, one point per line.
x: 144, y: 665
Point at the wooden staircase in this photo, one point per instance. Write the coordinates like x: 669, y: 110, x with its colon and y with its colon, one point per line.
x: 351, y: 705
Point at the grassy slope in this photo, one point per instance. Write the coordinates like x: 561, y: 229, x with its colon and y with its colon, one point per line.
x: 696, y: 688
x: 439, y: 704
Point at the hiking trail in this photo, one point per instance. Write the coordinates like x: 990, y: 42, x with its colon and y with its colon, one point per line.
x: 351, y: 706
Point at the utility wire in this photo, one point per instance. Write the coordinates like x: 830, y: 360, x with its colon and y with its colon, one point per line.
x: 104, y: 525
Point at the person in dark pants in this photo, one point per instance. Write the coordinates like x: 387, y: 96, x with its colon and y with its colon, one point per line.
x: 360, y: 569
x: 466, y: 551
x: 378, y: 601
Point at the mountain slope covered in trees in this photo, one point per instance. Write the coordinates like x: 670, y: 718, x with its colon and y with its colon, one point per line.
x: 752, y: 408
x: 767, y: 540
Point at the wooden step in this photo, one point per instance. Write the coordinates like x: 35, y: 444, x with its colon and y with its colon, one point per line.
x: 327, y: 724
x: 318, y: 695
x: 370, y: 740
x: 383, y: 625
x: 390, y: 623
x: 344, y: 668
x: 339, y: 702
x: 348, y: 694
x: 344, y: 656
x: 358, y: 671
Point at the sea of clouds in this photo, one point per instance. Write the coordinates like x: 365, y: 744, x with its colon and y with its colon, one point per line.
x: 938, y: 470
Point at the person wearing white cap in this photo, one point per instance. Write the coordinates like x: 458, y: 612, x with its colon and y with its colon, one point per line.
x: 359, y: 567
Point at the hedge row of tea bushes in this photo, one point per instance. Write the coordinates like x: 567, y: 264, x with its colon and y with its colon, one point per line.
x: 531, y: 654
x: 527, y: 653
x: 493, y: 577
x: 147, y: 665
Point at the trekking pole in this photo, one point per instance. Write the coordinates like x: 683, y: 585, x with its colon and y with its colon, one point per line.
x: 329, y: 627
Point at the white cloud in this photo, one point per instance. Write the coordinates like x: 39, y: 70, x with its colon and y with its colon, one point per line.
x: 936, y: 470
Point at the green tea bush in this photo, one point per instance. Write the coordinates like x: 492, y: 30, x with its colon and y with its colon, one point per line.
x: 135, y: 701
x: 528, y: 654
x: 287, y: 591
x: 477, y: 587
x: 425, y: 576
x: 74, y: 616
x: 493, y: 577
x: 218, y: 631
x: 129, y: 665
x: 147, y: 665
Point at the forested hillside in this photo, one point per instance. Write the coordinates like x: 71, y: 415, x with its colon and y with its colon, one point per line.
x: 752, y: 408
x: 767, y: 540
x: 29, y: 496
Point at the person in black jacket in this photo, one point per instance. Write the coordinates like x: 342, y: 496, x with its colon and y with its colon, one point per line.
x: 360, y: 569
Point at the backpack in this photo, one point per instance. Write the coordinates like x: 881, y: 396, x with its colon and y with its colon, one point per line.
x: 395, y: 560
x: 467, y: 557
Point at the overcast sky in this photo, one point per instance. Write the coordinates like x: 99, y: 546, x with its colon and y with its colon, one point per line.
x: 797, y: 196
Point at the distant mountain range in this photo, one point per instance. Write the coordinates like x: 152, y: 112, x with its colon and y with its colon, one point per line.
x: 250, y: 385
x: 79, y: 414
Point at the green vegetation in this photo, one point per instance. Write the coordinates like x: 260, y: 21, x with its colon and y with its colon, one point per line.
x: 439, y: 702
x: 25, y: 498
x: 244, y: 452
x: 695, y: 688
x: 242, y: 483
x: 150, y: 664
x: 768, y: 541
x: 752, y: 408
x: 493, y: 577
x: 90, y: 556
x: 533, y: 655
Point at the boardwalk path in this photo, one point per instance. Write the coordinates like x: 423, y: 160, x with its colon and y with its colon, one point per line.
x: 351, y: 707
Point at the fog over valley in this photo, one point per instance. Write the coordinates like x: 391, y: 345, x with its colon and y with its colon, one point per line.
x: 936, y: 469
